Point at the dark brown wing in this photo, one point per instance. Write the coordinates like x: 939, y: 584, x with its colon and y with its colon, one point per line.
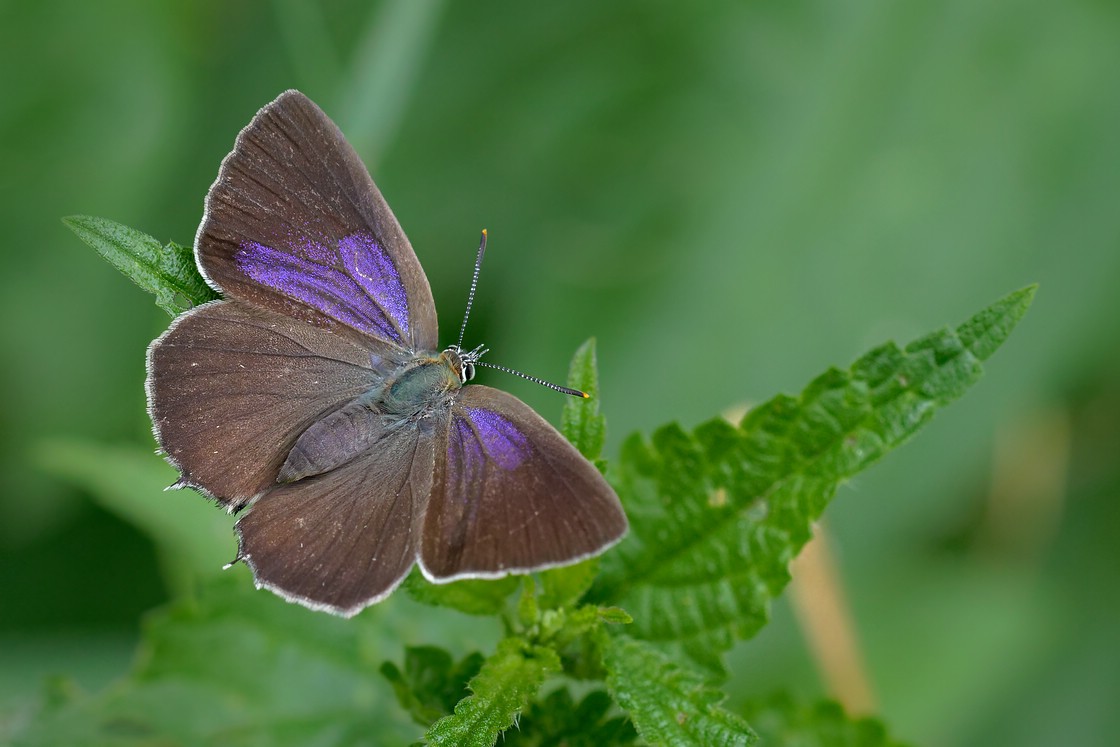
x: 343, y: 540
x: 295, y: 224
x: 511, y: 495
x: 231, y: 387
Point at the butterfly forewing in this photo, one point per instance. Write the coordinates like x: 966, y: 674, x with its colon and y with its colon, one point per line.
x: 343, y: 540
x: 510, y: 494
x: 231, y: 388
x: 295, y: 224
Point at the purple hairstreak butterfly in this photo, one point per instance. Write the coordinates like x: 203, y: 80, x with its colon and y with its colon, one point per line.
x: 314, y: 395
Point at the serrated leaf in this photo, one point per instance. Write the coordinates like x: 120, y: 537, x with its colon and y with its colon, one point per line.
x: 501, y: 690
x: 780, y: 721
x: 431, y: 683
x: 669, y: 704
x: 581, y: 422
x: 167, y: 271
x: 716, y: 514
x: 472, y: 596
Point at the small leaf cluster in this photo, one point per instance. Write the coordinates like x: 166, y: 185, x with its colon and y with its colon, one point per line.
x: 629, y: 647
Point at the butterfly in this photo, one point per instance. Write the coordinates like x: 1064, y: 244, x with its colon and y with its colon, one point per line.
x: 314, y: 394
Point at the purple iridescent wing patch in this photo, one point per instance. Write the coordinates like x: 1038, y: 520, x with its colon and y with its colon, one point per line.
x: 482, y: 438
x: 355, y: 283
x: 503, y: 444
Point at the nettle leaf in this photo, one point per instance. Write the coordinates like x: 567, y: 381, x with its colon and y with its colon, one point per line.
x: 501, y: 690
x: 431, y: 683
x: 669, y: 704
x: 716, y: 514
x: 581, y: 422
x: 779, y: 720
x: 167, y: 271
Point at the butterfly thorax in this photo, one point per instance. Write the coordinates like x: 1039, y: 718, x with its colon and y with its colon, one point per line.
x: 421, y: 383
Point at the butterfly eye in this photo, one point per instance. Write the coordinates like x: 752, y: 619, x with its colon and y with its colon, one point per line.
x: 468, y: 372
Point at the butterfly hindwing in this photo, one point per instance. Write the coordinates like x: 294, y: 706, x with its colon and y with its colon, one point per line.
x: 231, y: 387
x: 344, y: 539
x: 294, y: 224
x: 510, y: 494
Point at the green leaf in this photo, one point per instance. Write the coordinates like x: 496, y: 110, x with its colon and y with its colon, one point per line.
x: 167, y: 271
x: 615, y: 616
x: 472, y: 596
x: 500, y: 691
x: 559, y: 720
x: 564, y: 627
x: 581, y: 422
x: 431, y: 683
x: 716, y: 514
x: 238, y: 667
x: 194, y: 540
x: 563, y: 587
x: 780, y: 721
x: 669, y: 704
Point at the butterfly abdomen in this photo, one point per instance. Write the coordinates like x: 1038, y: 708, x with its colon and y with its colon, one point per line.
x: 333, y: 441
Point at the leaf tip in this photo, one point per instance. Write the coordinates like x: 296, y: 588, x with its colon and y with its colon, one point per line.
x: 990, y: 328
x: 615, y: 616
x: 76, y: 223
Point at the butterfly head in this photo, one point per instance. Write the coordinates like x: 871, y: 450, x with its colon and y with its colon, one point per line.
x: 463, y: 363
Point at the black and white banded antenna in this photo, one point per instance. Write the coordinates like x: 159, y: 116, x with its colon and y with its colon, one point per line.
x: 474, y: 284
x: 472, y: 358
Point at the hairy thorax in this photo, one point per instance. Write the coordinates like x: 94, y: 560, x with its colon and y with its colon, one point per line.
x: 420, y: 383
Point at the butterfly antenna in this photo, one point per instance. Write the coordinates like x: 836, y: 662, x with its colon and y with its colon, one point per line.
x: 535, y: 380
x: 474, y: 355
x: 474, y: 284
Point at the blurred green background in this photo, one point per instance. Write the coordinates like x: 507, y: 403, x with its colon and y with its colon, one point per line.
x: 731, y: 196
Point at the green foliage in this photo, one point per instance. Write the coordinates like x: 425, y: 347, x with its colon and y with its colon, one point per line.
x: 235, y: 668
x: 558, y: 720
x: 499, y: 692
x: 472, y: 596
x: 716, y: 514
x: 581, y: 423
x: 167, y: 271
x: 780, y: 721
x: 669, y: 704
x: 190, y: 535
x: 431, y: 683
